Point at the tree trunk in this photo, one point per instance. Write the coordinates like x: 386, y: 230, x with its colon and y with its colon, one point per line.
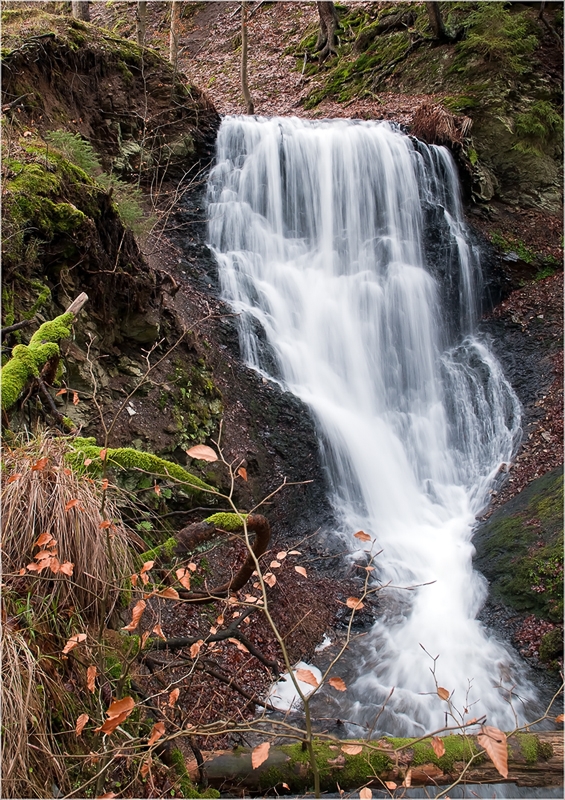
x: 80, y: 10
x: 327, y: 38
x: 436, y: 22
x: 174, y: 37
x: 244, y: 85
x: 140, y: 22
x: 533, y: 760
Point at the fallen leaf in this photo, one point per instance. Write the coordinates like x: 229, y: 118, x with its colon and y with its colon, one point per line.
x: 107, y: 796
x: 362, y: 536
x: 438, y: 746
x: 157, y: 731
x: 81, y: 722
x: 306, y: 676
x: 87, y: 462
x: 294, y: 553
x: 147, y: 566
x: 493, y: 741
x: 103, y: 453
x: 119, y: 707
x: 355, y: 603
x: 184, y: 577
x: 443, y: 694
x: 269, y: 579
x: 196, y: 647
x: 301, y: 571
x: 136, y: 615
x: 260, y: 754
x: 67, y: 568
x: 390, y: 785
x: 274, y: 564
x: 169, y: 592
x: 239, y: 645
x: 220, y: 619
x: 173, y: 697
x: 146, y: 766
x: 39, y: 465
x: 242, y: 472
x: 191, y: 566
x: 280, y: 557
x: 73, y: 641
x: 71, y: 504
x: 366, y: 793
x: 202, y: 452
x: 134, y: 578
x: 91, y: 673
x: 338, y: 684
x: 158, y: 631
x: 76, y: 400
x: 352, y: 749
x: 15, y: 477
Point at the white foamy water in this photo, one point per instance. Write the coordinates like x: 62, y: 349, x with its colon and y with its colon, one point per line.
x: 322, y: 232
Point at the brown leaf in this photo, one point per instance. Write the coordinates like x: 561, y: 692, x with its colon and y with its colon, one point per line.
x: 146, y: 766
x: 15, y: 477
x: 196, y: 647
x: 71, y: 504
x: 362, y: 536
x: 306, y: 676
x: 119, y: 707
x: 105, y: 524
x: 242, y: 472
x: 352, y: 749
x: 157, y: 489
x: 81, y: 722
x: 260, y: 754
x: 40, y: 464
x: 274, y: 564
x: 147, y: 566
x: 157, y: 731
x: 54, y: 565
x: 67, y: 568
x: 87, y: 462
x: 239, y: 645
x: 438, y: 746
x: 202, y: 452
x: 220, y: 619
x: 269, y: 579
x: 294, y: 553
x: 338, y: 684
x: 281, y: 555
x: 43, y: 539
x: 366, y: 793
x: 105, y: 484
x: 191, y: 566
x: 184, y: 577
x: 111, y: 724
x: 407, y: 779
x: 75, y: 399
x: 301, y: 571
x: 73, y: 641
x: 158, y: 631
x: 494, y: 742
x: 136, y: 615
x: 443, y: 694
x: 103, y: 453
x: 173, y: 697
x: 354, y: 602
x: 61, y: 391
x: 560, y: 718
x: 91, y: 673
x: 169, y: 593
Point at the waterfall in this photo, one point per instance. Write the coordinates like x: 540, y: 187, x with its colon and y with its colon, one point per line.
x: 343, y: 244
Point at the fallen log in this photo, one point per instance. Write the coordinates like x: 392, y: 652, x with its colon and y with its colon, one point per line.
x: 533, y: 760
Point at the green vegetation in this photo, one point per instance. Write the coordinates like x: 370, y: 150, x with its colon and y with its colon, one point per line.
x: 538, y: 127
x: 500, y: 38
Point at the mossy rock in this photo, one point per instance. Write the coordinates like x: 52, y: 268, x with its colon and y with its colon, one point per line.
x: 520, y: 549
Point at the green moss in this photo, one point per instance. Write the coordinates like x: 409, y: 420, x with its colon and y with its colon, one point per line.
x: 27, y: 361
x: 129, y: 459
x: 186, y: 786
x: 163, y: 552
x: 227, y: 521
x: 551, y: 647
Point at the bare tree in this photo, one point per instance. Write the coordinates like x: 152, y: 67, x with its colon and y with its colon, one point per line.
x: 327, y: 38
x: 174, y: 37
x: 80, y: 10
x: 140, y: 21
x: 244, y: 85
x: 436, y: 23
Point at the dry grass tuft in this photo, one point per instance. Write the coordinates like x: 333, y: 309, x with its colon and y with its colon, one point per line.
x: 435, y: 125
x: 41, y: 495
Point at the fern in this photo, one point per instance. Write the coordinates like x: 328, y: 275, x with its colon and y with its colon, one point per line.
x: 499, y: 35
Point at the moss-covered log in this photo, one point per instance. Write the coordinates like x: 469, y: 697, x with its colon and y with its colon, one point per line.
x: 533, y: 760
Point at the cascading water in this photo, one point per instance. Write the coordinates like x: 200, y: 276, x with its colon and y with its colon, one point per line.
x: 320, y: 231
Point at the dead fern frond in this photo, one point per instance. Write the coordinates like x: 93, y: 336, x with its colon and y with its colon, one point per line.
x: 434, y: 124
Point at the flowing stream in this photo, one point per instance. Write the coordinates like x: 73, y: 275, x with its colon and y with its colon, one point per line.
x: 343, y: 245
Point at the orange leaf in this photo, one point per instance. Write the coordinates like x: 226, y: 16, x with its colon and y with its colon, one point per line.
x: 147, y: 566
x: 15, y: 477
x: 294, y: 553
x: 202, y: 452
x: 157, y: 731
x: 39, y: 465
x: 407, y: 779
x: 366, y: 794
x: 281, y: 555
x: 67, y: 568
x: 242, y: 472
x: 338, y: 684
x: 354, y: 602
x: 73, y: 641
x: 91, y: 673
x: 443, y: 694
x: 362, y: 536
x: 158, y: 631
x: 274, y: 564
x: 61, y: 391
x: 269, y: 579
x: 71, y: 504
x: 301, y: 571
x: 75, y: 399
x: 54, y: 565
x: 260, y: 754
x: 42, y: 555
x: 220, y: 619
x: 144, y: 638
x: 136, y: 615
x: 438, y: 746
x: 44, y: 538
x: 191, y: 566
x: 81, y: 722
x: 146, y: 766
x: 560, y: 718
x: 352, y: 749
x: 285, y: 786
x: 239, y: 645
x: 119, y: 707
x: 134, y: 579
x: 105, y: 484
x: 184, y: 577
x: 157, y: 489
x: 306, y: 676
x: 196, y: 648
x: 173, y: 697
x: 169, y: 593
x: 103, y: 453
x: 87, y: 462
x: 494, y: 742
